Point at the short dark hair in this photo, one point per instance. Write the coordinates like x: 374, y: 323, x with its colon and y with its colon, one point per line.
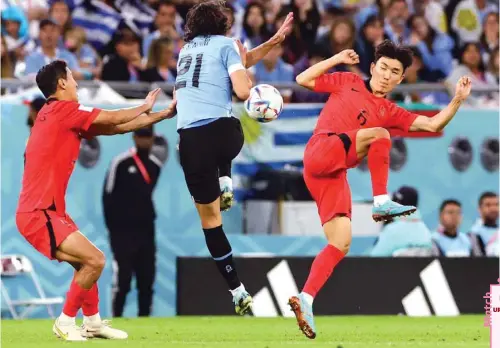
x: 168, y: 3
x: 206, y: 18
x: 390, y: 50
x: 487, y: 194
x: 396, y: 1
x: 49, y: 75
x: 449, y: 202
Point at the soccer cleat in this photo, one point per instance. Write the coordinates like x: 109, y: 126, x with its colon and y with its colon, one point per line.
x: 102, y: 329
x: 226, y: 199
x: 67, y: 331
x: 242, y: 302
x: 304, y: 314
x: 389, y: 210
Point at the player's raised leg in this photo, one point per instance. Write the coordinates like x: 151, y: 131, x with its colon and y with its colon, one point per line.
x: 88, y: 262
x: 222, y: 253
x: 376, y: 144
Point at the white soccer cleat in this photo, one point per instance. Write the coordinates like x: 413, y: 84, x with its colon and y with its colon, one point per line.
x: 102, y: 329
x: 67, y: 331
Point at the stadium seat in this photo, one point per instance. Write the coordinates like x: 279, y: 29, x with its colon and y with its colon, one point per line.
x: 17, y: 266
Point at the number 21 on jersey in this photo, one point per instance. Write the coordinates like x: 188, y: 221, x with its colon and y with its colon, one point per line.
x: 183, y: 67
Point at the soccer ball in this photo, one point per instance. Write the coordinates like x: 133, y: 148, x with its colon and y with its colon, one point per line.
x: 264, y: 103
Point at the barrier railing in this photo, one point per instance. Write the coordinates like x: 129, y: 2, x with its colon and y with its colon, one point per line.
x: 127, y: 88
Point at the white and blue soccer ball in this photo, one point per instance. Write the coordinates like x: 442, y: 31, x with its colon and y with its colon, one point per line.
x: 264, y: 104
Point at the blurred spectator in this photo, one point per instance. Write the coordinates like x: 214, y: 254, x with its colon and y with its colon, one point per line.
x: 126, y: 63
x: 137, y: 14
x: 34, y: 11
x: 416, y: 73
x: 130, y: 215
x: 159, y: 62
x: 405, y: 236
x: 88, y: 59
x: 99, y: 20
x: 436, y: 48
x: 450, y: 241
x: 395, y: 21
x: 15, y: 32
x: 165, y: 27
x: 493, y: 70
x: 341, y: 37
x: 50, y: 34
x: 433, y: 12
x: 306, y: 22
x: 302, y: 95
x: 235, y: 26
x: 34, y: 107
x: 486, y: 227
x: 468, y: 17
x: 370, y: 36
x: 272, y: 7
x: 255, y: 30
x: 7, y: 68
x: 272, y: 69
x: 489, y: 38
x: 59, y: 13
x: 293, y: 47
x: 471, y: 64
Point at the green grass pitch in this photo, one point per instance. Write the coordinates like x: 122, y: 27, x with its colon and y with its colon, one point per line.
x: 249, y: 332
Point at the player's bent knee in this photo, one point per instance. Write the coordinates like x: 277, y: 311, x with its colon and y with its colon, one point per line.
x: 97, y: 261
x: 381, y: 133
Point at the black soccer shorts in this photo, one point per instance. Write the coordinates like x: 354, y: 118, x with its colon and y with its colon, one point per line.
x: 204, y: 150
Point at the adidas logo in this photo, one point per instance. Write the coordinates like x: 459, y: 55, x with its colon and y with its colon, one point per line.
x: 282, y: 287
x: 438, y: 292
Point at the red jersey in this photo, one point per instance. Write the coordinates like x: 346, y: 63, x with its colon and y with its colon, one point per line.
x: 352, y: 106
x: 51, y: 154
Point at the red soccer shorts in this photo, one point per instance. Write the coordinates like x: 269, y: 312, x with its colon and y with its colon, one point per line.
x: 45, y: 230
x: 326, y: 160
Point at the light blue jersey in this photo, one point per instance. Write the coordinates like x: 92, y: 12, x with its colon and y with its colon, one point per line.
x: 403, y: 233
x: 203, y: 87
x: 458, y: 246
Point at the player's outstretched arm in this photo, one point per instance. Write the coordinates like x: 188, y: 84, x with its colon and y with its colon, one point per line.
x: 240, y: 80
x: 120, y: 116
x: 440, y: 120
x: 143, y: 120
x: 308, y: 77
x: 259, y: 52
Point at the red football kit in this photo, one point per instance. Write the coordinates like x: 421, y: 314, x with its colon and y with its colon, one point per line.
x: 50, y: 157
x: 332, y: 148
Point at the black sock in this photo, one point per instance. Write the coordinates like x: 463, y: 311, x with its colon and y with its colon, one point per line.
x: 221, y: 251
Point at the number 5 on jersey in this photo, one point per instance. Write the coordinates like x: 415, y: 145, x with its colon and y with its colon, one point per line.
x: 183, y: 67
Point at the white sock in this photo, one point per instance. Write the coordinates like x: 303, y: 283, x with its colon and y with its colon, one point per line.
x: 63, y: 318
x: 93, y: 318
x: 309, y: 299
x: 380, y: 199
x: 226, y: 182
x: 238, y: 289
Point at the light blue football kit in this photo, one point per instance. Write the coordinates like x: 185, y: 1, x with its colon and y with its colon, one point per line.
x: 203, y: 86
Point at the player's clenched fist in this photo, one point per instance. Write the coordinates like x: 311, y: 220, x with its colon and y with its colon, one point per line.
x: 463, y: 88
x: 347, y: 57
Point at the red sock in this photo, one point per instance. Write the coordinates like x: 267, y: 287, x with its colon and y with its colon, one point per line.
x: 321, y: 269
x: 90, y: 304
x: 378, y: 164
x: 74, y: 299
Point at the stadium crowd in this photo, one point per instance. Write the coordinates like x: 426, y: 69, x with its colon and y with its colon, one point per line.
x: 410, y: 236
x: 139, y: 40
